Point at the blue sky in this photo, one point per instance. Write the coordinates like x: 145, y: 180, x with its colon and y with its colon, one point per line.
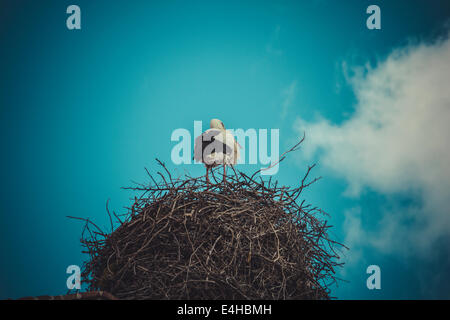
x: 82, y: 112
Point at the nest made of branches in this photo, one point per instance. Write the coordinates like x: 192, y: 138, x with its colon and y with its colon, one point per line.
x: 243, y: 238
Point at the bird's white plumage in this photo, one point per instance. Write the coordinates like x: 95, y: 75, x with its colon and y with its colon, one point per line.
x: 216, y: 147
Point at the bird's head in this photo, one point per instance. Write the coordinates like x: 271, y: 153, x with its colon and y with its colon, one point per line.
x: 216, y: 124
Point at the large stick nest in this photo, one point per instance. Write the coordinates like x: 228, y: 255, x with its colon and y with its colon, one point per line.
x: 244, y: 238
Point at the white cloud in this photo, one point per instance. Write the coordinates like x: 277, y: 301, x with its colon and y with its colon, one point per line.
x: 396, y: 142
x: 353, y: 236
x: 288, y: 96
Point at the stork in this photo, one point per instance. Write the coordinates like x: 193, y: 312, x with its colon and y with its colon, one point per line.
x: 216, y: 146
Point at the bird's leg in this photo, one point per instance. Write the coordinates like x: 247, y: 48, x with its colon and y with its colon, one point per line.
x: 207, y: 175
x: 224, y: 173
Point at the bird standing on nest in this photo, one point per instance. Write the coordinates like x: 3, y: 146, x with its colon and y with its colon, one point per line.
x: 216, y: 146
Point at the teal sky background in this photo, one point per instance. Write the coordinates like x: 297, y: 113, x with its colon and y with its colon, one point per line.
x: 82, y: 112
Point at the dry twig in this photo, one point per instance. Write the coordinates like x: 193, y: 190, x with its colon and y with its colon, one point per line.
x: 242, y: 239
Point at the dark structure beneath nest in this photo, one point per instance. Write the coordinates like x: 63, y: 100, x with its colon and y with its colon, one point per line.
x: 240, y: 239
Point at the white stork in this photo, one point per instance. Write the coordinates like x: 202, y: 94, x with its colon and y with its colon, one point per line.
x: 216, y: 146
